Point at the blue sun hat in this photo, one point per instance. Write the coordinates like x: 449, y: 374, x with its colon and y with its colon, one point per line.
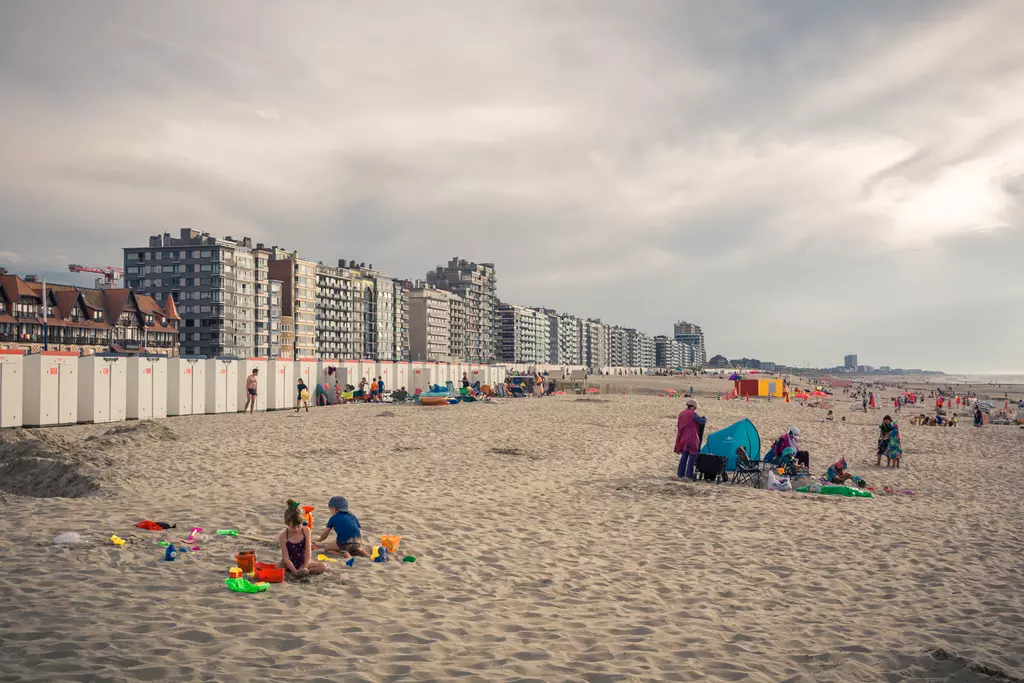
x: 339, y: 503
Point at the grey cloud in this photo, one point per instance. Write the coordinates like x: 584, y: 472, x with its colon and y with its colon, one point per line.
x: 739, y: 165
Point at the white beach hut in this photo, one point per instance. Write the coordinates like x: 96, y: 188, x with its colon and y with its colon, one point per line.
x: 245, y: 369
x: 147, y: 387
x: 221, y: 385
x: 12, y: 381
x: 102, y: 388
x: 186, y: 385
x: 281, y: 387
x: 51, y: 388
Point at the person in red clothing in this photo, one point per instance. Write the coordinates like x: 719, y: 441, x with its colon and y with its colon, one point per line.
x: 688, y: 439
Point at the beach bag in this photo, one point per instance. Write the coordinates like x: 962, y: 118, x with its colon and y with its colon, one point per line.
x: 305, y: 394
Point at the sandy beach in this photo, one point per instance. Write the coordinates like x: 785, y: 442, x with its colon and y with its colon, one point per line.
x: 551, y: 545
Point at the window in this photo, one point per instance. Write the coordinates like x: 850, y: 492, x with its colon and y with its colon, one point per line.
x: 131, y: 256
x: 97, y: 315
x: 205, y: 253
x: 131, y: 270
x: 205, y: 268
x: 182, y: 254
x: 170, y: 269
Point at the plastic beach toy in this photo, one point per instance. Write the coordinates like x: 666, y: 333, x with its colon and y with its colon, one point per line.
x: 351, y: 561
x: 227, y: 532
x: 390, y: 542
x: 116, y: 540
x: 163, y: 543
x: 170, y: 553
x: 193, y: 531
x: 243, y: 586
x: 324, y: 558
x: 408, y: 558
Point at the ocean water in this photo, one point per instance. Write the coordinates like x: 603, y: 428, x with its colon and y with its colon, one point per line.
x: 985, y: 378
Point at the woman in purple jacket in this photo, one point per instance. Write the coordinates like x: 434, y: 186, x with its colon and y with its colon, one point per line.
x: 688, y: 439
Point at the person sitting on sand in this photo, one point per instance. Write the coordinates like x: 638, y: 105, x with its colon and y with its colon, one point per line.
x: 837, y: 473
x: 297, y: 545
x: 830, y: 417
x: 348, y: 535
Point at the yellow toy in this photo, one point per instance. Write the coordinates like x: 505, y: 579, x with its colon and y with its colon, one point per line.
x: 117, y: 541
x: 324, y: 558
x: 235, y: 572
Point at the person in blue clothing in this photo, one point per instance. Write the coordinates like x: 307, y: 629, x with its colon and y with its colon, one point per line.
x: 348, y: 535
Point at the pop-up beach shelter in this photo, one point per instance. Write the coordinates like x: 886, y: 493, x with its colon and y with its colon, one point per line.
x: 724, y: 442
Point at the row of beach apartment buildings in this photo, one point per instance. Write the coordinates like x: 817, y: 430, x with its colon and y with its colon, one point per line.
x: 197, y: 294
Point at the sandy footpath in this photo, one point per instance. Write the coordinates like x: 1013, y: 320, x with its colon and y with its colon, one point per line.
x: 551, y: 546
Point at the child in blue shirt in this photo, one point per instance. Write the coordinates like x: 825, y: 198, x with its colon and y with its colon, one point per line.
x: 348, y: 535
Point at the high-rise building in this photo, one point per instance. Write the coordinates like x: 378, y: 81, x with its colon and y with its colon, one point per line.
x: 430, y: 323
x: 850, y: 361
x: 384, y: 333
x: 274, y: 336
x: 596, y: 342
x: 568, y: 332
x: 618, y: 346
x: 339, y: 317
x: 525, y: 335
x: 668, y: 353
x: 213, y: 282
x: 298, y: 298
x: 691, y: 334
x: 477, y: 284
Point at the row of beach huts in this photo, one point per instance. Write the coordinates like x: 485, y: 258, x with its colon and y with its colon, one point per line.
x: 60, y: 387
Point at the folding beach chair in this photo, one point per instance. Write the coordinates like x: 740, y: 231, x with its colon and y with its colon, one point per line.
x: 747, y: 470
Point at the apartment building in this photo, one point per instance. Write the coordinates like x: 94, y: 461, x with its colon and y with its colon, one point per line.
x: 618, y: 346
x: 668, y: 353
x: 430, y: 323
x: 287, y: 347
x: 339, y: 312
x: 691, y: 334
x: 298, y: 299
x: 568, y: 340
x: 274, y: 323
x: 525, y: 335
x: 476, y: 283
x: 88, y: 321
x: 595, y: 343
x: 211, y: 280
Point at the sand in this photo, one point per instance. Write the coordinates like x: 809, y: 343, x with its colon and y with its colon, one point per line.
x: 551, y: 545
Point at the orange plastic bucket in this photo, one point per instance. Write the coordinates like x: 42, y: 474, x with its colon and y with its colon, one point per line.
x: 269, y: 572
x: 246, y: 560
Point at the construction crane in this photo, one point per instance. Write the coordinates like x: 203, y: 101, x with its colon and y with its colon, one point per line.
x: 111, y: 274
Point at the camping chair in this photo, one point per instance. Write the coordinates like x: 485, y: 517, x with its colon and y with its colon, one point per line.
x: 747, y: 470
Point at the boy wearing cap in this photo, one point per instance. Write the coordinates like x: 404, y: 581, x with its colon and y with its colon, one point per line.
x: 346, y: 529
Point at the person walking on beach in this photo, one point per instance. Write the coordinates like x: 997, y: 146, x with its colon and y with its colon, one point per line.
x: 302, y: 395
x: 864, y: 400
x: 688, y: 439
x: 251, y: 388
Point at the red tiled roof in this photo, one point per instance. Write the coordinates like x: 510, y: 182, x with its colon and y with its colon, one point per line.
x: 16, y: 287
x: 171, y: 309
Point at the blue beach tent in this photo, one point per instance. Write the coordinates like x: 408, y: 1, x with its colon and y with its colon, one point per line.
x: 724, y: 442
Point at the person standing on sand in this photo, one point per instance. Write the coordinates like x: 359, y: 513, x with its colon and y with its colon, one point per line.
x: 688, y: 439
x: 251, y: 390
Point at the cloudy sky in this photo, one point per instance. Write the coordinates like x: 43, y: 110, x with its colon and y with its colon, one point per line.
x: 804, y: 179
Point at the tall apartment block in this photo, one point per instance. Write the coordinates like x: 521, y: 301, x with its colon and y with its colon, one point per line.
x: 525, y: 335
x: 850, y: 361
x: 385, y: 335
x: 212, y: 280
x: 595, y: 344
x: 477, y: 284
x: 691, y: 334
x: 339, y: 312
x: 298, y: 299
x: 430, y: 323
x: 568, y: 340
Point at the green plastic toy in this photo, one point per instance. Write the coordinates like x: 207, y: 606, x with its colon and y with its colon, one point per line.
x: 848, y: 491
x: 227, y: 532
x: 163, y: 543
x: 408, y: 558
x: 243, y: 586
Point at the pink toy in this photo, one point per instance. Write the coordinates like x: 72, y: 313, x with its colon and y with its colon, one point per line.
x: 195, y: 530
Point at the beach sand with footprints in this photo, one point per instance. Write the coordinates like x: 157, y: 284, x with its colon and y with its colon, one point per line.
x: 551, y: 545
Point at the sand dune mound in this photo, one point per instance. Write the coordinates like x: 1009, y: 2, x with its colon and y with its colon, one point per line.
x: 45, y: 468
x: 133, y: 433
